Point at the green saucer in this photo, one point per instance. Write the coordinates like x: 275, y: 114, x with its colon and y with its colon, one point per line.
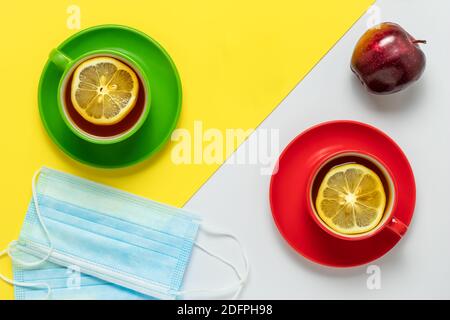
x: 165, y: 103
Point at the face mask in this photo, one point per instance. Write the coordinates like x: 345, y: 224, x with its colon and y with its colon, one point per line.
x: 123, y: 246
x: 66, y: 283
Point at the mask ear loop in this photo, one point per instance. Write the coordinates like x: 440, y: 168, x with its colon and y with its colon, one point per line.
x: 26, y: 284
x: 22, y: 263
x: 243, y: 277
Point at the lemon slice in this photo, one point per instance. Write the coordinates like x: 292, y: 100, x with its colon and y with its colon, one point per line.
x: 351, y: 199
x: 104, y: 90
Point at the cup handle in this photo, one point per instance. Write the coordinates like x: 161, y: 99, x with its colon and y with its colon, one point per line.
x: 59, y: 59
x: 397, y: 227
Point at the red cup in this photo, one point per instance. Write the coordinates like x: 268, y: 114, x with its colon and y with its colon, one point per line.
x: 388, y: 221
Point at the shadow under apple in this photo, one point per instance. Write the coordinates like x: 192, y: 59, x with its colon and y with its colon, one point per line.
x: 402, y: 101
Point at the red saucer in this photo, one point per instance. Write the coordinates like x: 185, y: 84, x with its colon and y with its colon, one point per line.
x: 288, y: 188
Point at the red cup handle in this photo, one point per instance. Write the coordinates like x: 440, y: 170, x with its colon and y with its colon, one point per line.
x: 397, y: 227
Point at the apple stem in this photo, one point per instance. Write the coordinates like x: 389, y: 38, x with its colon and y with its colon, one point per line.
x: 420, y: 41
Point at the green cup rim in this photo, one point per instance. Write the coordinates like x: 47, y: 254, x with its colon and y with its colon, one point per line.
x: 145, y: 82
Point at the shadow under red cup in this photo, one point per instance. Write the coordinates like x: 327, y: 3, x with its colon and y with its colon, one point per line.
x: 389, y: 219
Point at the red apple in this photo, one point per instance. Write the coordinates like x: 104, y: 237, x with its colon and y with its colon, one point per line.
x: 387, y: 59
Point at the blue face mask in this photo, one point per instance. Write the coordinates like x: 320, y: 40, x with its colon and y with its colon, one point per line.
x: 108, y: 243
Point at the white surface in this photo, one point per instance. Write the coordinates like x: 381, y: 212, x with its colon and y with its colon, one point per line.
x: 236, y: 197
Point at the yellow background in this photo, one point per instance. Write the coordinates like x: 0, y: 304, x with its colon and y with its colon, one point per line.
x: 237, y: 60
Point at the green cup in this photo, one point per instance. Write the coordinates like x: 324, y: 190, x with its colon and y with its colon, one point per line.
x: 68, y: 66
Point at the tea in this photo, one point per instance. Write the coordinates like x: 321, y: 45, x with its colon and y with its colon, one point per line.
x: 349, y: 159
x: 103, y: 132
x: 354, y: 192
